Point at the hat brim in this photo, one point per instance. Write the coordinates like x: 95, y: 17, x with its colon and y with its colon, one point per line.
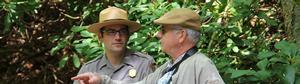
x: 132, y: 25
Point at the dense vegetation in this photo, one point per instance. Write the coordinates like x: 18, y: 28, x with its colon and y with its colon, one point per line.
x: 250, y: 41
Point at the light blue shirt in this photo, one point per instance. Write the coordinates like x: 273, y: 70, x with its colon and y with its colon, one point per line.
x: 166, y: 77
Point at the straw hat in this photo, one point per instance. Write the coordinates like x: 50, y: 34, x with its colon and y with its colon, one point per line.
x: 113, y: 15
x: 181, y: 16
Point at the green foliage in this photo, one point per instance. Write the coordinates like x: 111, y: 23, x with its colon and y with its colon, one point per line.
x: 239, y: 49
x: 244, y: 38
x: 16, y: 9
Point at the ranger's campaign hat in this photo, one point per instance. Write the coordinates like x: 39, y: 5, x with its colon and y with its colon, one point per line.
x: 113, y: 15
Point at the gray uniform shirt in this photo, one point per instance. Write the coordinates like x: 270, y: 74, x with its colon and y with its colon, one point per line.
x: 197, y: 69
x: 136, y: 62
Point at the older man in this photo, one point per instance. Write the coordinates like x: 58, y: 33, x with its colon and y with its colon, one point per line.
x: 117, y: 62
x: 178, y: 36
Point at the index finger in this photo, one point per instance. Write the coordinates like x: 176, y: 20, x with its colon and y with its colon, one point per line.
x: 84, y: 76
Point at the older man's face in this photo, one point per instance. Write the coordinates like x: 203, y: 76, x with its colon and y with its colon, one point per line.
x: 114, y: 37
x: 168, y: 38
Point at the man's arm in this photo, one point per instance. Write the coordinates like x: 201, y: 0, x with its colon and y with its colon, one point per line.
x: 95, y: 78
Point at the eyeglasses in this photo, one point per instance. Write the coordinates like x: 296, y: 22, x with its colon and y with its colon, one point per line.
x: 112, y: 32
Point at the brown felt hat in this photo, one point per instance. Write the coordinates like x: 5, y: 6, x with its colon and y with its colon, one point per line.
x: 181, y: 16
x: 113, y: 15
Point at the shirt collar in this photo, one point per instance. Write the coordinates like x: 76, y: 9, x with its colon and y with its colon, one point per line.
x: 103, y: 62
x: 177, y: 60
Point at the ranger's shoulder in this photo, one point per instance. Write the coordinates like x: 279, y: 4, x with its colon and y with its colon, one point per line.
x: 93, y: 61
x: 142, y: 55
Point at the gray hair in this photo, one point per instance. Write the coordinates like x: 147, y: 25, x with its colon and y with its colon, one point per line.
x: 193, y: 35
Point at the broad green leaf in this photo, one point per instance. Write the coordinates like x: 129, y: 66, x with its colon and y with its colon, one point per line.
x: 238, y: 73
x: 63, y: 61
x: 76, y: 61
x: 281, y: 45
x: 92, y: 51
x: 262, y: 64
x: 289, y: 49
x: 278, y: 59
x: 263, y: 75
x: 79, y: 48
x: 265, y: 54
x: 293, y: 49
x: 290, y: 74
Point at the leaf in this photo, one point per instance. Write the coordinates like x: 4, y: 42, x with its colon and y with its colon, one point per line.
x: 54, y: 50
x: 87, y: 41
x: 245, y: 52
x: 293, y: 49
x: 235, y: 49
x: 86, y: 13
x: 238, y: 73
x: 175, y: 5
x: 86, y: 34
x: 80, y: 48
x: 54, y: 38
x: 91, y: 51
x: 265, y: 54
x: 286, y: 48
x: 58, y: 47
x: 63, y: 61
x: 78, y: 28
x: 7, y: 22
x: 278, y: 59
x: 222, y: 64
x: 229, y: 42
x: 263, y: 74
x: 76, y: 61
x: 262, y: 64
x: 290, y: 74
x: 281, y: 45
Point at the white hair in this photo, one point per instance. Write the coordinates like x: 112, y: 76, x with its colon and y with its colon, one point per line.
x: 193, y: 35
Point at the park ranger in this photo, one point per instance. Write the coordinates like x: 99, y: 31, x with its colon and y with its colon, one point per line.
x: 117, y: 62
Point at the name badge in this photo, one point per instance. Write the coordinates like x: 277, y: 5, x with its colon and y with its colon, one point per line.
x: 132, y: 73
